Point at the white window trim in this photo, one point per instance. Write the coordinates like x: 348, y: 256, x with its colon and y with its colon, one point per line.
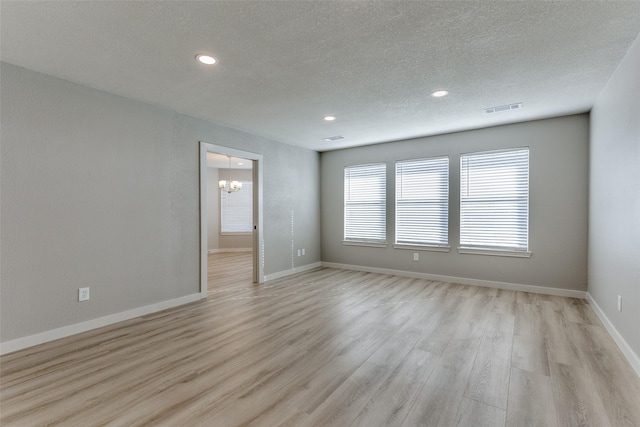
x: 442, y: 246
x: 363, y: 243
x: 432, y: 248
x: 500, y: 251
x: 495, y: 252
x: 246, y: 190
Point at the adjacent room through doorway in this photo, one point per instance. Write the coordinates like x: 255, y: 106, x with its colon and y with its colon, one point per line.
x: 230, y: 196
x: 229, y: 220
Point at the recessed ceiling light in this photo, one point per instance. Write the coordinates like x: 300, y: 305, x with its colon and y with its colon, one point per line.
x: 329, y: 118
x: 440, y: 93
x: 206, y: 59
x: 240, y: 163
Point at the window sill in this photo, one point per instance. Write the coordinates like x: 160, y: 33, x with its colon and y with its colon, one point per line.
x: 237, y: 233
x: 495, y: 252
x: 367, y: 244
x: 422, y: 247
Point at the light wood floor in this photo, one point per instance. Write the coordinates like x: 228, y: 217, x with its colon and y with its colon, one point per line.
x: 332, y: 347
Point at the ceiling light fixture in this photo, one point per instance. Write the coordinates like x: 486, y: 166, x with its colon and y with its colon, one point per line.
x: 329, y: 118
x: 440, y: 93
x: 229, y: 186
x: 206, y: 59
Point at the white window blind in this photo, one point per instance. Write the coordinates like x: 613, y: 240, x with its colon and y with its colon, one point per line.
x: 365, y: 203
x: 494, y: 200
x: 236, y: 210
x: 422, y: 202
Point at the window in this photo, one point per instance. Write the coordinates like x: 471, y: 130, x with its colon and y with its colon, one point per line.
x: 236, y: 210
x: 494, y: 200
x: 422, y: 202
x: 365, y: 203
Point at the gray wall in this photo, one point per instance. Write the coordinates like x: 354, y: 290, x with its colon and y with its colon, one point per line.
x: 101, y: 191
x: 614, y: 202
x: 558, y: 204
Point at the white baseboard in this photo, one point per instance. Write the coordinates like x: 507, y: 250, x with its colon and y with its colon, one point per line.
x: 295, y: 270
x: 626, y: 349
x: 65, y: 331
x: 464, y: 281
x: 223, y: 250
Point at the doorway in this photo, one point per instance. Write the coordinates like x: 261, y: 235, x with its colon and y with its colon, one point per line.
x: 256, y: 239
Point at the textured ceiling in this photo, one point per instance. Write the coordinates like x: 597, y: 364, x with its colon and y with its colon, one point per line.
x: 284, y: 65
x: 220, y: 161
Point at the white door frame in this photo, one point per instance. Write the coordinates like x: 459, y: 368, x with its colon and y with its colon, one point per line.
x: 258, y: 256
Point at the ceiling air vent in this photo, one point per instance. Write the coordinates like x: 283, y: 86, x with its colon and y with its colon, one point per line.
x: 333, y: 138
x: 503, y: 108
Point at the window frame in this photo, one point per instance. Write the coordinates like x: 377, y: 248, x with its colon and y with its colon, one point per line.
x: 498, y: 250
x: 247, y: 187
x: 381, y: 202
x: 429, y: 165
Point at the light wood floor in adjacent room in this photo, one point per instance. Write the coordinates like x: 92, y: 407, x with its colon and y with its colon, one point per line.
x: 332, y: 347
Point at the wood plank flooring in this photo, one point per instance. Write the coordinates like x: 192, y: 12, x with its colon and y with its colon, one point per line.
x: 331, y: 347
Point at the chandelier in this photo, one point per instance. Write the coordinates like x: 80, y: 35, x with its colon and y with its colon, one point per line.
x: 229, y: 186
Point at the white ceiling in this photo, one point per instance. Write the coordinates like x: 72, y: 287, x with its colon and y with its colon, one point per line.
x: 283, y: 65
x: 220, y: 161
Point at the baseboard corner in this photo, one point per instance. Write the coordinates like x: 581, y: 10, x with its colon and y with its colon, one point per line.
x: 295, y: 270
x: 623, y: 345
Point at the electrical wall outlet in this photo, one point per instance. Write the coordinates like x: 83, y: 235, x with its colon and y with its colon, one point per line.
x: 619, y: 302
x: 416, y: 256
x: 302, y: 251
x: 83, y: 294
x: 298, y: 252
